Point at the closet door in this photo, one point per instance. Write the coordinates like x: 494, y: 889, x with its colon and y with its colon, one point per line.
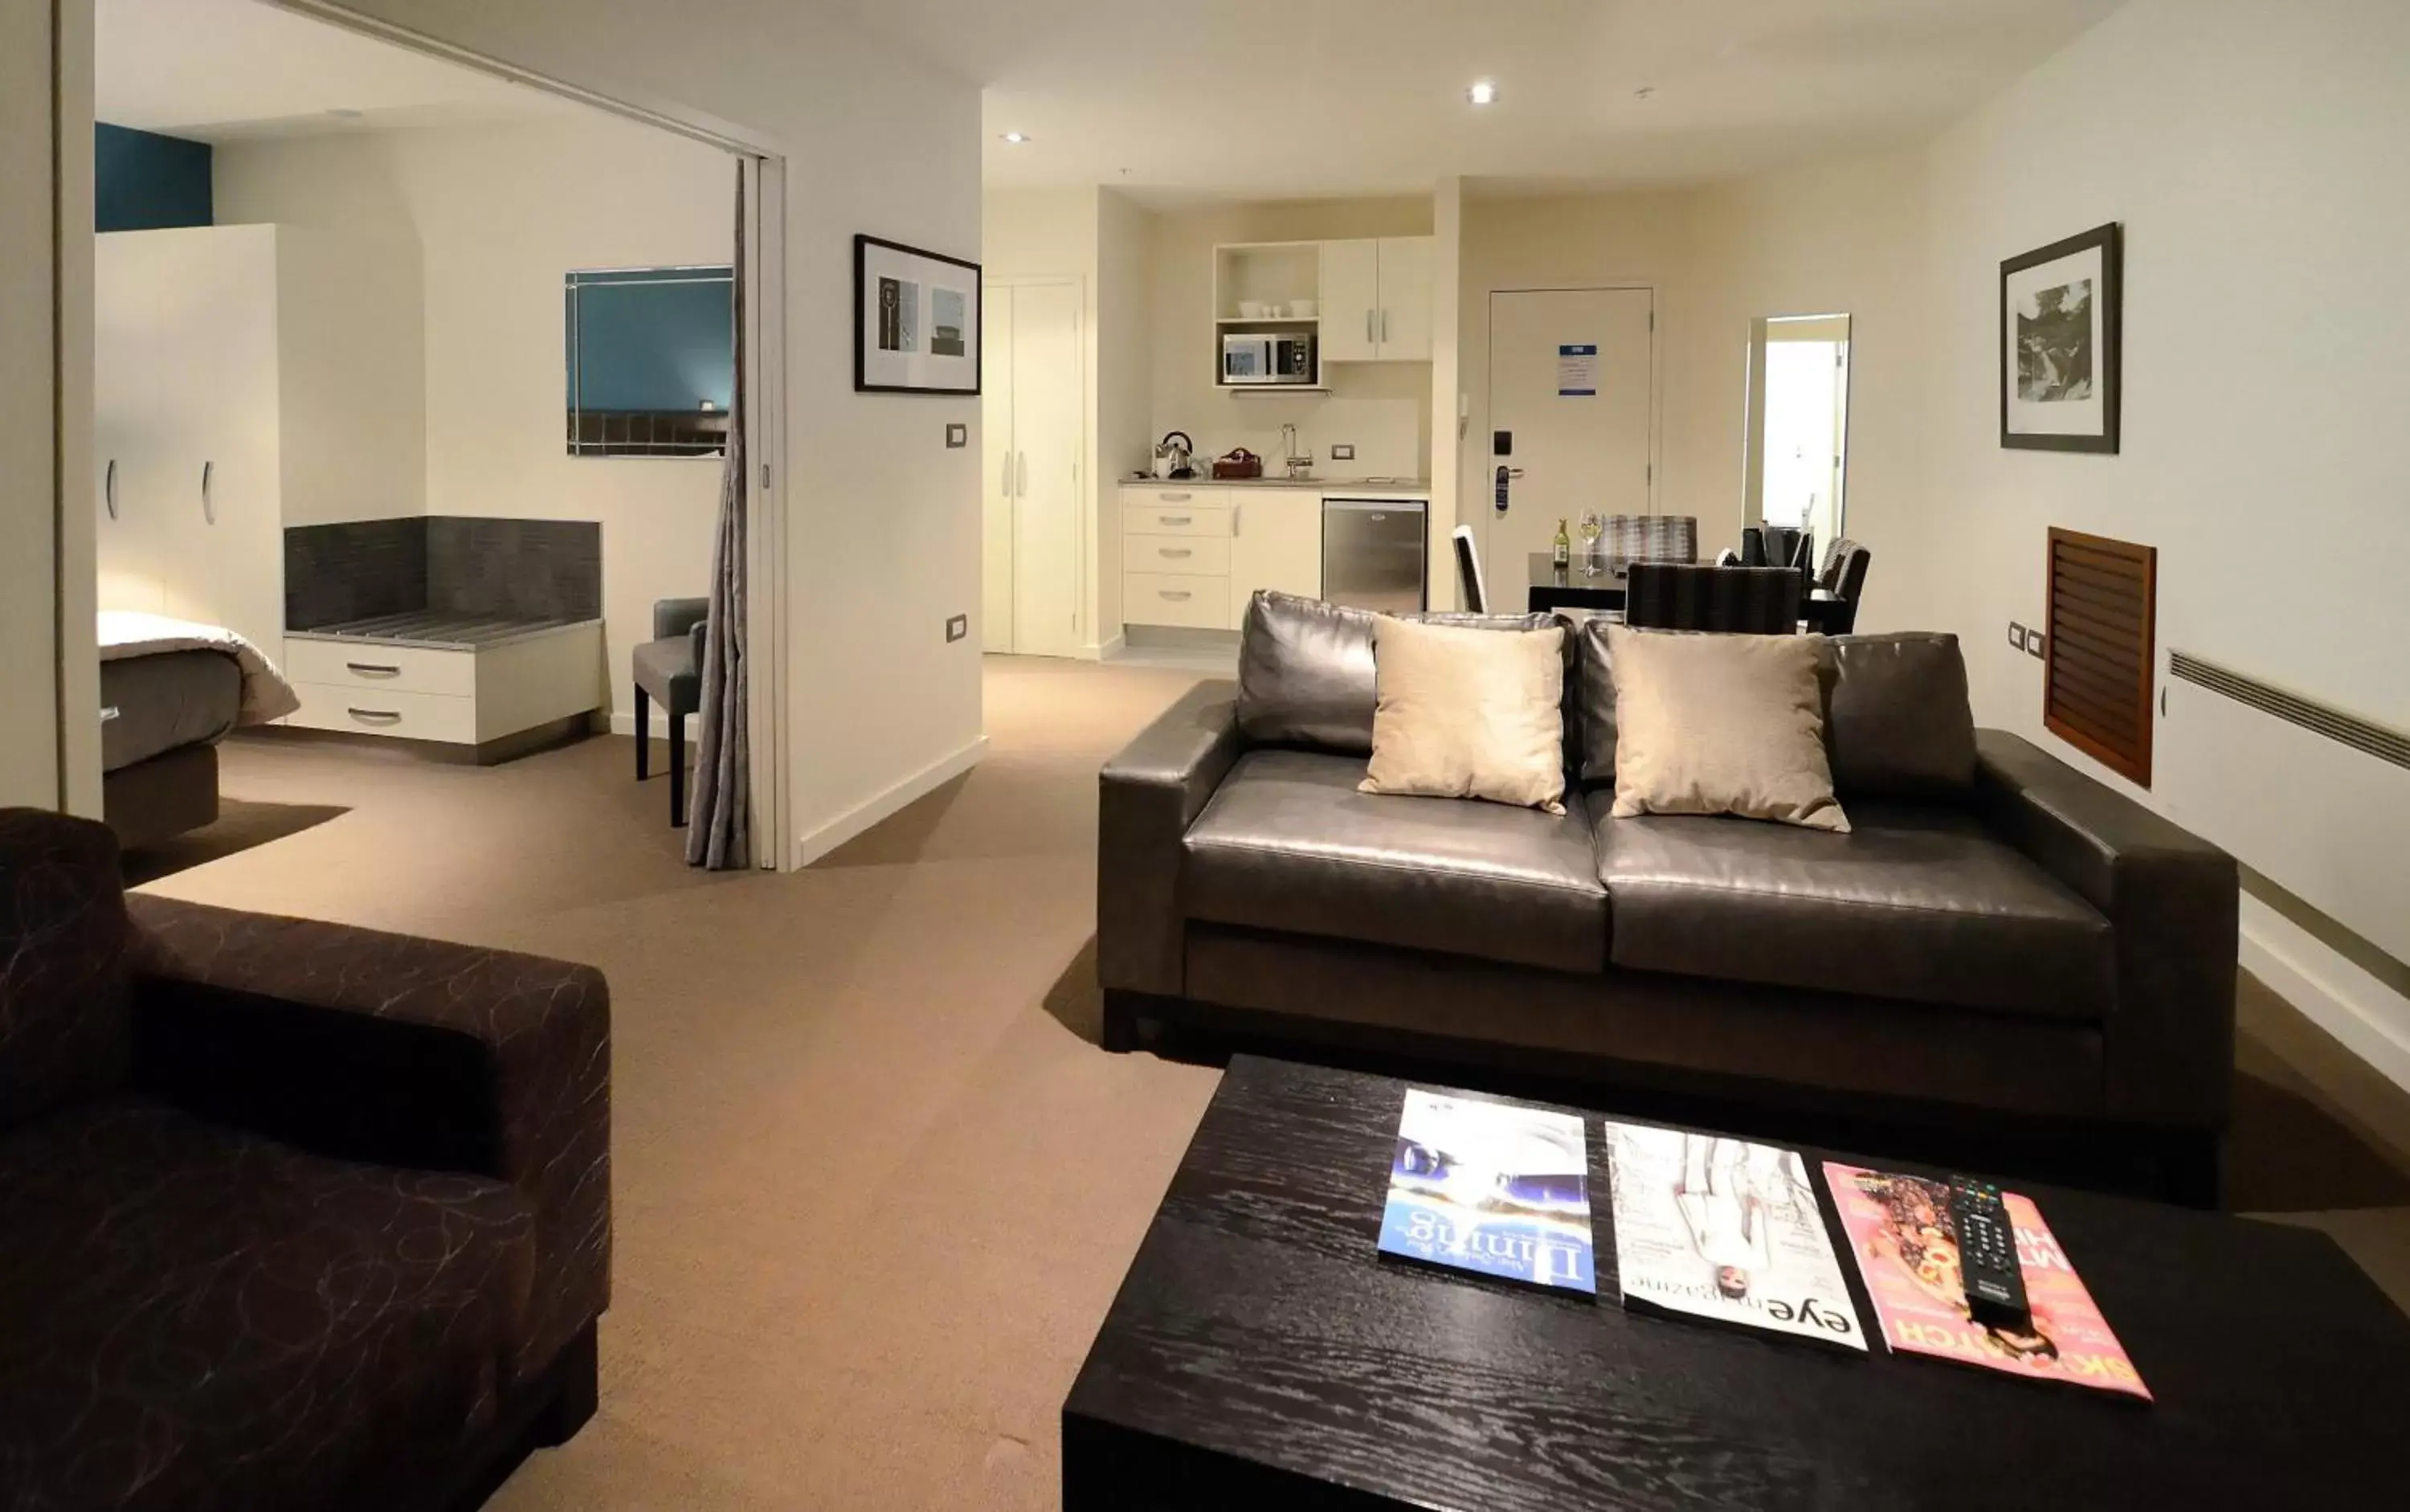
x: 1049, y: 488
x: 996, y: 491
x: 222, y: 496
x: 131, y: 270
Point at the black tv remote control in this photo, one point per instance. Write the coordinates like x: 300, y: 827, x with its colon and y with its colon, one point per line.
x: 1987, y: 1255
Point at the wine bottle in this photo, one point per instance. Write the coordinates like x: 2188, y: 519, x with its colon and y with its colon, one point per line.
x: 1564, y: 546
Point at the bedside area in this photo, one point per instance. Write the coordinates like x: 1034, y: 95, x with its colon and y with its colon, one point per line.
x: 471, y: 639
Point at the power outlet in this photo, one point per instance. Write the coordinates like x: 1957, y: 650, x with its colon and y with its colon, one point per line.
x: 2034, y: 644
x: 956, y: 628
x: 2017, y: 634
x: 1342, y: 452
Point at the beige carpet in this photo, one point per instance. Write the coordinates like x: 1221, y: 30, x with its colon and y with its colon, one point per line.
x: 873, y: 1192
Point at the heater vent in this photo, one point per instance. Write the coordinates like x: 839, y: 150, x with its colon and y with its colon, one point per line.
x: 2345, y: 729
x: 2103, y: 621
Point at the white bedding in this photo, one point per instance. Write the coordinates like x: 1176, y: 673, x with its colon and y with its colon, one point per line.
x: 266, y: 694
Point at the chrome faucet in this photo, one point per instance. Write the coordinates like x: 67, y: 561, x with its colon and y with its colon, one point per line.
x: 1299, y: 463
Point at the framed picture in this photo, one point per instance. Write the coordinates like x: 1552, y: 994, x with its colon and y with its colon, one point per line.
x: 916, y: 320
x: 2059, y: 342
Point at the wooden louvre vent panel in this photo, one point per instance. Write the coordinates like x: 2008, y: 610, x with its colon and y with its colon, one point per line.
x: 2101, y: 651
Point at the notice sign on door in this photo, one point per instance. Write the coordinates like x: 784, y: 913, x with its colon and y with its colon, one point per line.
x: 1578, y: 371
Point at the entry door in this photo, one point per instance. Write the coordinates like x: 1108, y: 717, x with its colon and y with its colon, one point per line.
x: 1570, y: 385
x: 1048, y: 430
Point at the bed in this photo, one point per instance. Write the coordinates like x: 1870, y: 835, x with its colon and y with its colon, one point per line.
x: 170, y: 690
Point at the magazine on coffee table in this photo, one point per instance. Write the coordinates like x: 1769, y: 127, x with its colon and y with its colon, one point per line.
x: 1900, y: 1229
x: 1720, y: 1228
x: 1494, y: 1189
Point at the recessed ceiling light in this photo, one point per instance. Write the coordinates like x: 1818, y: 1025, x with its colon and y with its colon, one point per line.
x: 1482, y: 93
x: 1016, y: 138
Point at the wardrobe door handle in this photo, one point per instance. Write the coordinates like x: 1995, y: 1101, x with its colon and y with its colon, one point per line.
x: 209, y: 505
x: 1234, y: 517
x: 1369, y: 337
x: 108, y: 488
x: 1385, y: 327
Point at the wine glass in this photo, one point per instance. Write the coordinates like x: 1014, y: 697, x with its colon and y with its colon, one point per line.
x: 1591, y: 529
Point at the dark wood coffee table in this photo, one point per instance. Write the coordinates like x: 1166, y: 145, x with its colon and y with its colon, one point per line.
x: 1261, y: 1354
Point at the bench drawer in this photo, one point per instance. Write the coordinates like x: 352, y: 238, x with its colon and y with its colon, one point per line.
x: 1166, y: 516
x: 406, y: 669
x: 386, y: 711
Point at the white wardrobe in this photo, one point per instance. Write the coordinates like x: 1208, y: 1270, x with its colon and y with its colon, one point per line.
x: 248, y: 378
x: 1031, y: 415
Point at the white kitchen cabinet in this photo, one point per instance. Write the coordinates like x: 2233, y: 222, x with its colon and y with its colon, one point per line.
x: 247, y: 377
x: 1376, y: 300
x: 1351, y: 302
x: 1276, y: 544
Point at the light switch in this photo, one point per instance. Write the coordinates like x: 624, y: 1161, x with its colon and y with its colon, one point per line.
x: 957, y: 435
x: 2016, y: 635
x: 1342, y: 452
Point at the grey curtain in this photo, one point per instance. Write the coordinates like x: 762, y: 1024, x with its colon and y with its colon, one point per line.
x: 720, y: 806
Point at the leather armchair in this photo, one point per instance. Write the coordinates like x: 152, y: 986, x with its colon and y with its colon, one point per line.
x: 297, y: 1215
x: 1149, y: 795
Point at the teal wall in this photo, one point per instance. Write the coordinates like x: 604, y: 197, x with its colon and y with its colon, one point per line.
x: 143, y: 182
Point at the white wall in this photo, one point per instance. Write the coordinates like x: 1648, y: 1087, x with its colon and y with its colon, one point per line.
x: 2253, y: 151
x: 29, y: 753
x: 882, y: 519
x: 498, y: 215
x: 1382, y: 409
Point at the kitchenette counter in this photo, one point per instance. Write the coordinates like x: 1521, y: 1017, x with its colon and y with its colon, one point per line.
x: 1336, y: 486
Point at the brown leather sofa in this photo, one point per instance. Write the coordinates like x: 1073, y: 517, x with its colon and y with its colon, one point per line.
x: 1998, y: 938
x: 292, y: 1215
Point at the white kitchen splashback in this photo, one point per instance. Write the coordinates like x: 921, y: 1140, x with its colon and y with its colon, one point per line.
x: 1390, y: 435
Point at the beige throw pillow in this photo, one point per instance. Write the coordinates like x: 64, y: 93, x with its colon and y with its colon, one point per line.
x: 1461, y: 713
x: 1720, y: 724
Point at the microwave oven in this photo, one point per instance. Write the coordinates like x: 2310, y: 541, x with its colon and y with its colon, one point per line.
x: 1268, y: 359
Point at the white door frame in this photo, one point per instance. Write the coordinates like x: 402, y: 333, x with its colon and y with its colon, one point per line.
x: 764, y: 161
x: 1487, y: 507
x: 1090, y: 501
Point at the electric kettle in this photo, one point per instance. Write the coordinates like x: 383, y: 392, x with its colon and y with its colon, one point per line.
x: 1171, y: 455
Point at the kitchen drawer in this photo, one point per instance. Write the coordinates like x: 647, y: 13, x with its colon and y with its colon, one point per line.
x: 386, y: 711
x: 1166, y: 598
x: 1207, y: 514
x: 408, y: 669
x: 1183, y: 554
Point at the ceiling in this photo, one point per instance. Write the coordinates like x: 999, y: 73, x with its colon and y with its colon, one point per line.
x: 220, y: 70
x: 1199, y: 99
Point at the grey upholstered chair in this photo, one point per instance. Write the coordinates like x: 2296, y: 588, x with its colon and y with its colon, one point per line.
x: 1751, y: 601
x: 1650, y: 537
x: 669, y: 669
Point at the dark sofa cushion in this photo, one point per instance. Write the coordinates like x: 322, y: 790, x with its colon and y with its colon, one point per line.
x: 1288, y: 843
x: 1917, y: 902
x: 1897, y: 723
x: 195, y: 1317
x: 1305, y: 670
x: 64, y: 1024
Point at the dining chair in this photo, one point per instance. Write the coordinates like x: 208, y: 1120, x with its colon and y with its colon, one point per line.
x: 1753, y: 546
x: 1748, y: 601
x: 1650, y: 537
x: 1844, y: 576
x: 1468, y: 573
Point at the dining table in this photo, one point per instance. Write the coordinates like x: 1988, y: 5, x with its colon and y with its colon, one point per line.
x: 1599, y: 583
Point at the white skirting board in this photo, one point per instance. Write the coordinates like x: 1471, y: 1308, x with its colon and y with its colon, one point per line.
x: 2369, y: 1018
x: 814, y: 844
x: 1109, y: 650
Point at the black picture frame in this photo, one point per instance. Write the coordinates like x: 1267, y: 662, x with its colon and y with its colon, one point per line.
x: 865, y: 248
x: 2107, y: 364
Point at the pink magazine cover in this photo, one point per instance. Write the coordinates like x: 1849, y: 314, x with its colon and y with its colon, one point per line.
x: 1899, y: 1229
